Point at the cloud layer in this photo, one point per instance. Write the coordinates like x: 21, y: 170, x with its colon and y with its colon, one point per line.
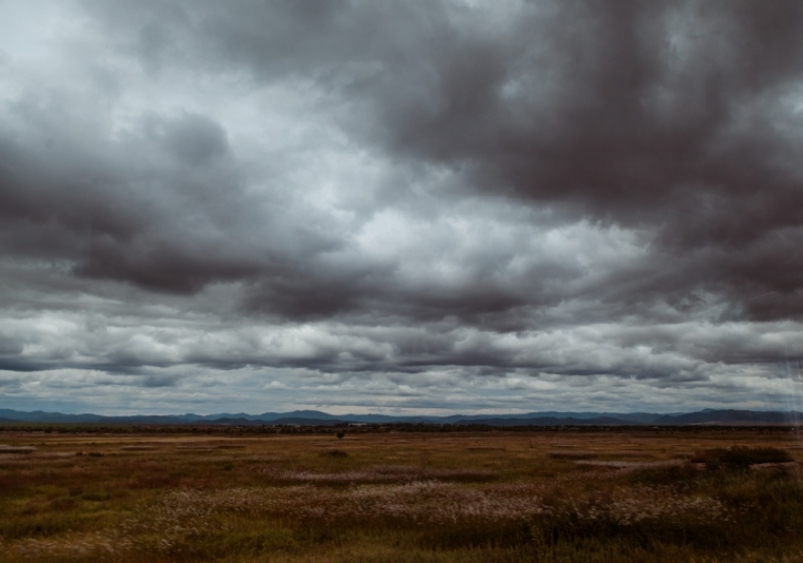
x: 413, y: 205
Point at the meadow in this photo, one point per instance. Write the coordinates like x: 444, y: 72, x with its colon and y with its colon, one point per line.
x: 573, y: 495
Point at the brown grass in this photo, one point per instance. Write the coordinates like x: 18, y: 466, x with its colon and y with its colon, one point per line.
x: 495, y: 496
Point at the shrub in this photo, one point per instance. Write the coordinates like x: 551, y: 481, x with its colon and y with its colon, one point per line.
x: 671, y: 476
x: 740, y: 458
x: 467, y: 534
x: 96, y: 495
x: 572, y: 455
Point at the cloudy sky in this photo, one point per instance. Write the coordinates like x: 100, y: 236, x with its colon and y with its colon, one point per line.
x: 418, y: 206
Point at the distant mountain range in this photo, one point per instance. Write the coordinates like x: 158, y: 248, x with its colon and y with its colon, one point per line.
x: 318, y: 418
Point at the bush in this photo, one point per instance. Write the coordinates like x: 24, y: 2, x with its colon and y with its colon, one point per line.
x: 672, y: 476
x: 488, y: 534
x: 740, y: 458
x: 96, y: 495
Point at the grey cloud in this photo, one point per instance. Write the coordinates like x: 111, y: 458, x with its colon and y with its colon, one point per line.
x: 132, y: 344
x: 126, y: 211
x: 159, y: 381
x: 10, y: 346
x: 665, y: 116
x: 574, y: 189
x: 196, y: 139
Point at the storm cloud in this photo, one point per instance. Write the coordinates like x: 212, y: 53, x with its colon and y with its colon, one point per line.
x: 449, y: 205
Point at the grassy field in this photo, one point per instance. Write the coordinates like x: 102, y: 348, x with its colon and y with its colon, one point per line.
x: 579, y: 496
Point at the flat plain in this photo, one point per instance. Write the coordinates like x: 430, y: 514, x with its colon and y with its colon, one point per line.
x: 172, y: 494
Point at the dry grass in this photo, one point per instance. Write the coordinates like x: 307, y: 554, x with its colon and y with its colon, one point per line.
x: 400, y: 497
x: 6, y: 449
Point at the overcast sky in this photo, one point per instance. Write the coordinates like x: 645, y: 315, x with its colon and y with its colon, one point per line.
x: 417, y: 206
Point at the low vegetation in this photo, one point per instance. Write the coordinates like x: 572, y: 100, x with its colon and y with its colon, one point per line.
x: 479, y: 497
x: 740, y: 458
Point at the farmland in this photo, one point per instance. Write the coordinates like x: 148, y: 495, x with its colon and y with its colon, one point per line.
x: 131, y: 495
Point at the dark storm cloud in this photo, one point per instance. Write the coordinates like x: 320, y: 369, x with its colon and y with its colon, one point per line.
x: 163, y: 208
x: 167, y: 207
x: 673, y: 126
x: 677, y: 118
x: 529, y: 189
x: 106, y: 212
x: 668, y: 117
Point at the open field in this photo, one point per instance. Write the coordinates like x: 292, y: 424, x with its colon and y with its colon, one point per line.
x: 628, y: 495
